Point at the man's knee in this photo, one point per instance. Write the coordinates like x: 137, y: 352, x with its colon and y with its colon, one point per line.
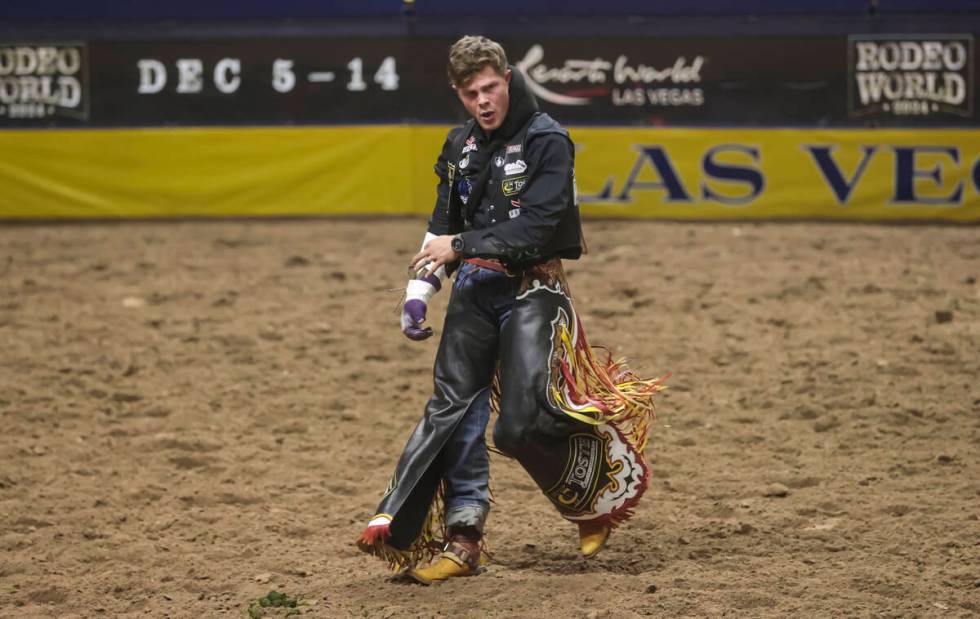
x: 508, y: 437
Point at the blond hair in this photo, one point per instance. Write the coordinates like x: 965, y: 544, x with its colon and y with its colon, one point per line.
x: 469, y: 55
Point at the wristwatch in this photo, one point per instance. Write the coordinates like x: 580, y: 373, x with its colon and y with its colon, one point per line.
x: 457, y: 244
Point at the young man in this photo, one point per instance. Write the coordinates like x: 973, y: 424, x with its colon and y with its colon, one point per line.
x: 504, y: 218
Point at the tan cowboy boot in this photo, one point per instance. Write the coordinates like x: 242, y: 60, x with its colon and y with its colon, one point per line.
x: 460, y: 558
x: 592, y: 537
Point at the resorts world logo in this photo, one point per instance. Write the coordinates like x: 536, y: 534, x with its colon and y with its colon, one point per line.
x: 41, y: 81
x: 910, y: 75
x: 580, y: 81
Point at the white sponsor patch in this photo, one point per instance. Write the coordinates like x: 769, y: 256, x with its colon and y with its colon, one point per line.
x: 513, y: 148
x: 514, y: 212
x: 516, y: 167
x: 465, y: 161
x: 499, y: 161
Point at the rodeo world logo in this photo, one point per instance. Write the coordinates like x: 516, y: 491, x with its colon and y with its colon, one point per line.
x: 40, y: 81
x: 911, y: 76
x: 581, y: 81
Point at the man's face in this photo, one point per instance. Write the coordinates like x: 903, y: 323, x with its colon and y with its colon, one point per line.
x: 486, y: 97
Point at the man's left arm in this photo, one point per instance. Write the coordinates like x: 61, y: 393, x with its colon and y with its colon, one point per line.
x: 543, y: 200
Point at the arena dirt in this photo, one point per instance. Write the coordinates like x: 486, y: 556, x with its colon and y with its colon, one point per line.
x: 195, y: 413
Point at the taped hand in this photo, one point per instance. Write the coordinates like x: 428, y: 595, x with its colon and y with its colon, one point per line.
x: 413, y: 315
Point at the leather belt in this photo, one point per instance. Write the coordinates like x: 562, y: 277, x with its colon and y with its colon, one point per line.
x: 493, y: 265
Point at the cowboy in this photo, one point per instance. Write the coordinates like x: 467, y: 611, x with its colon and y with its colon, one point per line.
x: 504, y: 218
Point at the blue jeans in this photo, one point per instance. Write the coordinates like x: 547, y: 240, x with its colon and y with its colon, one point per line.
x: 466, y: 464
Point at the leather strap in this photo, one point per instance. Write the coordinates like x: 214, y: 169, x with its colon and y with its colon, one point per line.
x: 461, y: 555
x: 493, y: 265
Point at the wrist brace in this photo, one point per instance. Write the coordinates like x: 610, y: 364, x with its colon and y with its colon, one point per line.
x: 424, y: 287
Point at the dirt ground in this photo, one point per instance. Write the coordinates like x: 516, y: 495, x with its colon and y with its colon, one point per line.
x: 195, y: 413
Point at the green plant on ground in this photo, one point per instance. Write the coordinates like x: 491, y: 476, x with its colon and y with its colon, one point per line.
x: 274, y: 599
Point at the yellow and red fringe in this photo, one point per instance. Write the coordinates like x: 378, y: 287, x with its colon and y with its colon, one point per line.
x: 606, y: 391
x: 430, y: 543
x: 374, y: 539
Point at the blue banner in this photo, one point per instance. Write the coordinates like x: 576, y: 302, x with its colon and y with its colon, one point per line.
x: 238, y: 10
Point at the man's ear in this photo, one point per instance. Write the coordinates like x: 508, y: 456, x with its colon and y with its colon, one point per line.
x: 507, y: 76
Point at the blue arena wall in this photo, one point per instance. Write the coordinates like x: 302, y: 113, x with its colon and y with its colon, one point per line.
x: 227, y: 10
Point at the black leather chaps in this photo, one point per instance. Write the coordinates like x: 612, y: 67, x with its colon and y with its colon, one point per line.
x: 573, y: 462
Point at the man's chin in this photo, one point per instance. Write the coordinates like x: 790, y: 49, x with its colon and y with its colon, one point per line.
x: 488, y: 126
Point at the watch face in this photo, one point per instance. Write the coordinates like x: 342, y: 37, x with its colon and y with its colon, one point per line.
x: 457, y: 244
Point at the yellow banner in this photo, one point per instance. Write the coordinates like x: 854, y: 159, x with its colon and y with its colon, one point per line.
x: 779, y: 173
x: 621, y: 172
x: 217, y: 172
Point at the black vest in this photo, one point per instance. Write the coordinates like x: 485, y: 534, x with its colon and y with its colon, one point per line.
x: 504, y: 171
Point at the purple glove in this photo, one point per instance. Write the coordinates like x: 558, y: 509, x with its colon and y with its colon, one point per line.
x: 413, y: 315
x: 418, y: 293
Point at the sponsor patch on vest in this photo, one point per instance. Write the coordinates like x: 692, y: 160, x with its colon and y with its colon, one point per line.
x: 498, y: 161
x: 471, y: 145
x: 465, y: 161
x: 513, y: 148
x: 513, y: 186
x: 516, y: 167
x: 465, y: 187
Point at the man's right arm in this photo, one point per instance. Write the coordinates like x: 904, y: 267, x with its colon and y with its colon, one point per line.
x: 420, y: 289
x: 439, y: 223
